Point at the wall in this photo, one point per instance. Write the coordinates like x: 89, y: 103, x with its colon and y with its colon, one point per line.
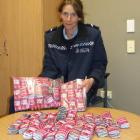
x: 111, y: 16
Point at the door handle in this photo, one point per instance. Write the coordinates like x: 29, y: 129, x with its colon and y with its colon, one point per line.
x: 5, y: 49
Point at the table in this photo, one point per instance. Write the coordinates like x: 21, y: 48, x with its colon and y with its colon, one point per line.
x: 133, y: 133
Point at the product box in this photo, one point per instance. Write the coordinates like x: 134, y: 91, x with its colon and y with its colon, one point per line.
x: 32, y: 93
x: 73, y: 95
x: 36, y: 93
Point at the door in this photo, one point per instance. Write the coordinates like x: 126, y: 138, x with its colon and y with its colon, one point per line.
x: 4, y: 60
x: 50, y: 13
x: 21, y: 44
x: 22, y: 26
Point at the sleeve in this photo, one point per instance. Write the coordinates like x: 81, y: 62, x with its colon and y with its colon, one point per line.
x: 49, y: 68
x: 99, y: 61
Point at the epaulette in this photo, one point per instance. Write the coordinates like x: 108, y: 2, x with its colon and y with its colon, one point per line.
x: 94, y: 26
x: 51, y: 29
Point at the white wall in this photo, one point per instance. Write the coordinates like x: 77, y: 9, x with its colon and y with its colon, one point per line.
x: 111, y: 16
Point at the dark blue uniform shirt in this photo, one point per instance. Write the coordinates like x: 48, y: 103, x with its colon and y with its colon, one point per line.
x: 82, y: 56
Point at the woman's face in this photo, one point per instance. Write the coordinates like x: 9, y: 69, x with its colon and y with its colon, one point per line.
x: 69, y: 17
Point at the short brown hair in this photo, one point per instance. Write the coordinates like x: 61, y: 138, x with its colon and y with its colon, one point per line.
x: 77, y: 5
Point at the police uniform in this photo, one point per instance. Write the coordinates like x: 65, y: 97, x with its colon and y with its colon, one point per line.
x: 80, y: 57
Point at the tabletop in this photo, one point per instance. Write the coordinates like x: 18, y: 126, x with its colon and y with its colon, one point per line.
x: 132, y: 133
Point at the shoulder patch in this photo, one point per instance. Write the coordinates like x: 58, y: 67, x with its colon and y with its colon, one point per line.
x: 93, y: 26
x: 51, y: 29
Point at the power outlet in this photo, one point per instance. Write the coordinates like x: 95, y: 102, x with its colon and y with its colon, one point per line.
x: 102, y: 93
x: 109, y: 94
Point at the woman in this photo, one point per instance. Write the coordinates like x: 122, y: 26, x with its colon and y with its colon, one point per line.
x: 74, y: 49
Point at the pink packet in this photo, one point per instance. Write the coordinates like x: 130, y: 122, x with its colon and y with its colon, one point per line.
x: 113, y: 132
x: 73, y: 96
x: 123, y: 123
x: 32, y: 93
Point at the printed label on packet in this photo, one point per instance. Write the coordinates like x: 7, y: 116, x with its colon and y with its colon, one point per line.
x: 31, y: 93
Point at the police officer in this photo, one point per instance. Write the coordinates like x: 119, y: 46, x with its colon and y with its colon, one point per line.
x: 75, y: 50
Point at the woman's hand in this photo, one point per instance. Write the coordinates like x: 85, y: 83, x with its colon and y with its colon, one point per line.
x: 87, y: 83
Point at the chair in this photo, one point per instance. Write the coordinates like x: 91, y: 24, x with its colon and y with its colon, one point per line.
x: 95, y: 99
x: 105, y: 88
x: 11, y: 107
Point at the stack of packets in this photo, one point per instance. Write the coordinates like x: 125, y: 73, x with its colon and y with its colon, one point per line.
x: 72, y: 126
x: 73, y: 95
x: 36, y: 93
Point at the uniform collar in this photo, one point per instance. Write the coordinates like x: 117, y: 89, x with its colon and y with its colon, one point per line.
x: 74, y: 34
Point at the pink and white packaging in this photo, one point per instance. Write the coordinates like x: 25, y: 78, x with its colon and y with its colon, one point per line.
x: 73, y: 95
x: 113, y: 132
x: 107, y: 115
x: 45, y: 126
x: 28, y: 135
x: 36, y: 93
x: 101, y: 131
x: 123, y: 123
